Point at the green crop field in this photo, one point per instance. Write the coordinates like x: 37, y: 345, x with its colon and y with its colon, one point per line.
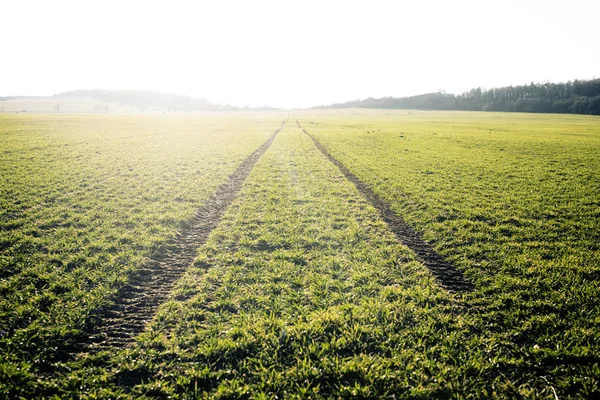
x: 340, y: 254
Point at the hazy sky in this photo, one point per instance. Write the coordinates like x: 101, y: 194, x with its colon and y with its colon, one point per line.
x: 294, y: 53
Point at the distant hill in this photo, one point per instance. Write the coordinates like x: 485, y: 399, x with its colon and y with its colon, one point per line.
x: 577, y: 97
x: 145, y: 100
x: 99, y: 101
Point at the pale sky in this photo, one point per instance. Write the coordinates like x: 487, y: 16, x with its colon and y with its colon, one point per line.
x: 294, y: 53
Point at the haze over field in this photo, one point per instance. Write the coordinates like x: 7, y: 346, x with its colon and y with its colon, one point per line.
x: 294, y: 54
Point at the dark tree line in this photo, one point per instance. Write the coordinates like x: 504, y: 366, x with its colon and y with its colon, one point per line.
x: 577, y: 97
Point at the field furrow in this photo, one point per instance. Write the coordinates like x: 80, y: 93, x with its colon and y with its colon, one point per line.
x: 85, y: 202
x: 153, y: 282
x: 513, y: 201
x: 450, y: 277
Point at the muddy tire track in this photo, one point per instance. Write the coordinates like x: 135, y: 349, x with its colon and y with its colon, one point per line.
x: 447, y: 275
x: 138, y: 301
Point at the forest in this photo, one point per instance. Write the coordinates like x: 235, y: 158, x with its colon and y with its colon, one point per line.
x: 576, y: 97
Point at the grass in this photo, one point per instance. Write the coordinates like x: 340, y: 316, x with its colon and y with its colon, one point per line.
x: 302, y: 291
x: 512, y: 200
x: 84, y: 200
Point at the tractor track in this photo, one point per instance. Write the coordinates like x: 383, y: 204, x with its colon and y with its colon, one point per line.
x: 138, y: 301
x: 447, y: 275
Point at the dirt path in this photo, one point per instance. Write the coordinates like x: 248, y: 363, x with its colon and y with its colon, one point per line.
x: 138, y: 301
x: 448, y: 276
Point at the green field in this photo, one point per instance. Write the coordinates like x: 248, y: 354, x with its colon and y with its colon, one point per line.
x: 303, y: 288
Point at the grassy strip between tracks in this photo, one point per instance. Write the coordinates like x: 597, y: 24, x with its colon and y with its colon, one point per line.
x: 303, y: 291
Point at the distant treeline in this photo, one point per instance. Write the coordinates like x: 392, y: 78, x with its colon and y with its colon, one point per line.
x: 577, y: 97
x: 144, y: 100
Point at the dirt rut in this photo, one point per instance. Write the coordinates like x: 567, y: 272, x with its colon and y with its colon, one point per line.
x: 446, y: 274
x: 139, y: 300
